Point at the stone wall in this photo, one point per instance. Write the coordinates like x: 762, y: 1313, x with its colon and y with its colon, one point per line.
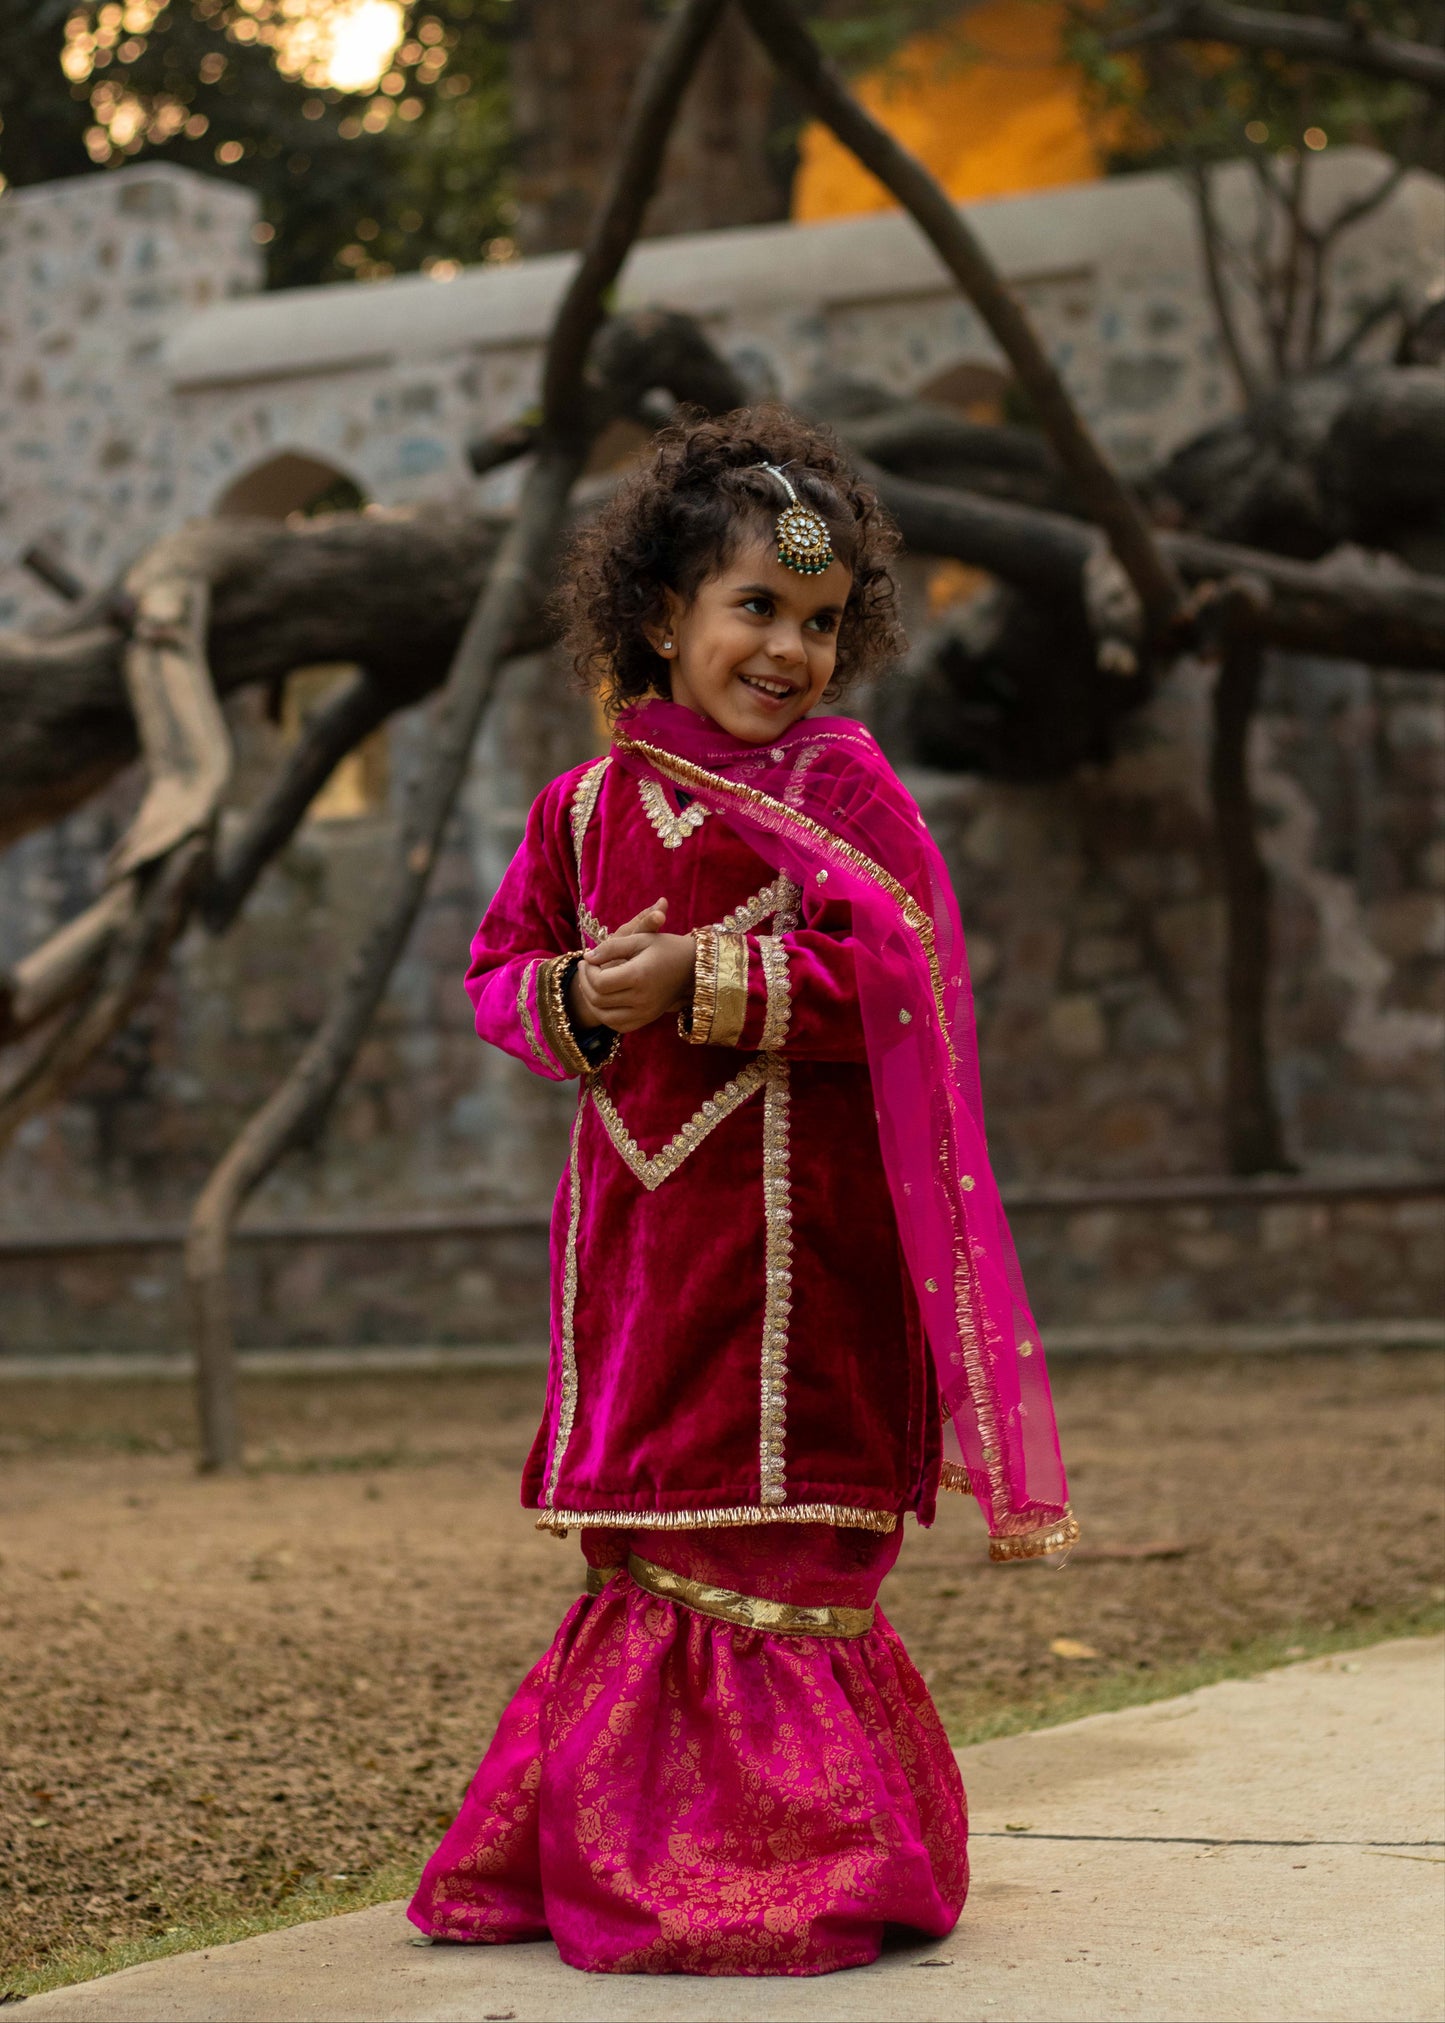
x: 95, y: 273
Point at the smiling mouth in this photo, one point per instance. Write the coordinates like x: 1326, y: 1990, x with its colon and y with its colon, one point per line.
x: 776, y: 691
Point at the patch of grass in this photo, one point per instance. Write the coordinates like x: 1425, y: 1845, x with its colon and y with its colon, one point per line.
x: 321, y: 1897
x: 275, y: 1461
x: 1116, y: 1690
x: 325, y: 1897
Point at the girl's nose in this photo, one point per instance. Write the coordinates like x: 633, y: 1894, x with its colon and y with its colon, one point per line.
x: 786, y: 649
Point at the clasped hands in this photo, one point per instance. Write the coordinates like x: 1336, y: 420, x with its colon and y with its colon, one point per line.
x: 636, y: 975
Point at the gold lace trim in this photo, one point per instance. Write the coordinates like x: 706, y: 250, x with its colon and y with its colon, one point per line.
x: 953, y: 1478
x: 721, y: 1517
x: 777, y: 817
x: 590, y: 925
x: 524, y: 1014
x: 695, y: 1021
x: 555, y: 1023
x: 567, y: 1403
x: 673, y: 829
x: 749, y: 1612
x: 773, y: 953
x: 778, y: 1286
x: 662, y: 1165
x: 730, y: 1012
x: 584, y: 806
x: 1034, y: 1544
x: 781, y: 897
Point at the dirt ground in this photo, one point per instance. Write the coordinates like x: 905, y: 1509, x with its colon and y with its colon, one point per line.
x: 216, y: 1693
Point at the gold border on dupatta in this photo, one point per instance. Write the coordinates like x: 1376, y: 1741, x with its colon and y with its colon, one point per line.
x: 779, y: 816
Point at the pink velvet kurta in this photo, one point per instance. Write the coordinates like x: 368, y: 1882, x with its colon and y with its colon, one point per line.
x: 733, y: 1337
x: 741, y: 1403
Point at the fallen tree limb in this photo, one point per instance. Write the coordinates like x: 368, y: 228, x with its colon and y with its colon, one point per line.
x: 517, y: 580
x: 1352, y: 44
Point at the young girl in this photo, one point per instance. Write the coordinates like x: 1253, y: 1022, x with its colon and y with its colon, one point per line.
x: 782, y: 1280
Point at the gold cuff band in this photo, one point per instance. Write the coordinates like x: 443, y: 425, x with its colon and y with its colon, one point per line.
x: 556, y: 1025
x: 1034, y: 1544
x: 748, y: 1612
x: 731, y: 1012
x: 695, y: 1024
x: 954, y: 1478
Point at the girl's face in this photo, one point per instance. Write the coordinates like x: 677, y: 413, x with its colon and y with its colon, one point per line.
x: 755, y: 648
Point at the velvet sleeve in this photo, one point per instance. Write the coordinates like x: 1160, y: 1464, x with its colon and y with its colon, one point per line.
x: 794, y: 993
x: 524, y: 950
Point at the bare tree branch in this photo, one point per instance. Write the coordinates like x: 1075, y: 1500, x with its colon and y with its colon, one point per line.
x: 1352, y: 44
x: 517, y: 579
x: 344, y: 721
x: 797, y: 57
x: 1210, y: 235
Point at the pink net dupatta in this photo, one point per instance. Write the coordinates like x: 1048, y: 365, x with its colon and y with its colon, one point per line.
x: 823, y: 805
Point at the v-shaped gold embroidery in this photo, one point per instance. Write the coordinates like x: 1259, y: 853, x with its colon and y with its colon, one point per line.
x: 673, y: 829
x: 701, y: 1124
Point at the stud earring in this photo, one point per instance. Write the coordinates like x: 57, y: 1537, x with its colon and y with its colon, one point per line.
x: 667, y: 646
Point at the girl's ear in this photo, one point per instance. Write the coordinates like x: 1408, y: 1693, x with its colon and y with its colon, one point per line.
x: 661, y: 633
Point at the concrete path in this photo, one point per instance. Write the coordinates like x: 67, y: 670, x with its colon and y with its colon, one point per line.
x: 1264, y: 1851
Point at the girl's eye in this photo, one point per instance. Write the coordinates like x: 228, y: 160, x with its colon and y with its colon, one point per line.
x: 826, y: 621
x: 762, y: 607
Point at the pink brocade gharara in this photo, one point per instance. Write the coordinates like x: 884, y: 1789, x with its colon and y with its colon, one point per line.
x: 822, y: 804
x: 670, y: 1794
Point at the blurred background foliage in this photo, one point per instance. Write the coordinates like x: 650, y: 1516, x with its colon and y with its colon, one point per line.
x: 387, y: 136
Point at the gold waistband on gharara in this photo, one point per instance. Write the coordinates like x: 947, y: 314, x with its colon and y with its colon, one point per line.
x: 748, y: 1612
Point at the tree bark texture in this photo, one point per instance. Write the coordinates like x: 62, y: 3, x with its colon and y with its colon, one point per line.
x: 1107, y: 500
x: 1253, y: 1137
x: 572, y: 71
x: 1304, y: 38
x: 515, y: 585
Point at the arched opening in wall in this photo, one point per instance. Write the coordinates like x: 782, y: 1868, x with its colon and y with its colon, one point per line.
x: 287, y: 486
x: 290, y: 482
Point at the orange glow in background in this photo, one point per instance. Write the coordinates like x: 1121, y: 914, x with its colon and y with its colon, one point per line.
x: 987, y: 104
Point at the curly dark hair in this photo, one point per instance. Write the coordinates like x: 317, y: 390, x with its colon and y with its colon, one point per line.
x: 681, y: 517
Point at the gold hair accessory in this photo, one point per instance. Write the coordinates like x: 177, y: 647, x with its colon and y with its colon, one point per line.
x: 804, y: 543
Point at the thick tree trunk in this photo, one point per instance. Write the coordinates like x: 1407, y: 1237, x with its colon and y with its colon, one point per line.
x: 1253, y: 1136
x: 572, y: 71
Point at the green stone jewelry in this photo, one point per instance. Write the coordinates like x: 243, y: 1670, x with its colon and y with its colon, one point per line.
x: 804, y: 543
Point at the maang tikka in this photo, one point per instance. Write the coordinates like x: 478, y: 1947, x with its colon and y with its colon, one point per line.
x: 804, y: 543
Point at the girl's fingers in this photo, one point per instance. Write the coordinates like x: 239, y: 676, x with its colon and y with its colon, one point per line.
x: 651, y: 920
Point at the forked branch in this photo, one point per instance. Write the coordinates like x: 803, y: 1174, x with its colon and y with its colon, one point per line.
x: 517, y: 580
x: 1101, y: 492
